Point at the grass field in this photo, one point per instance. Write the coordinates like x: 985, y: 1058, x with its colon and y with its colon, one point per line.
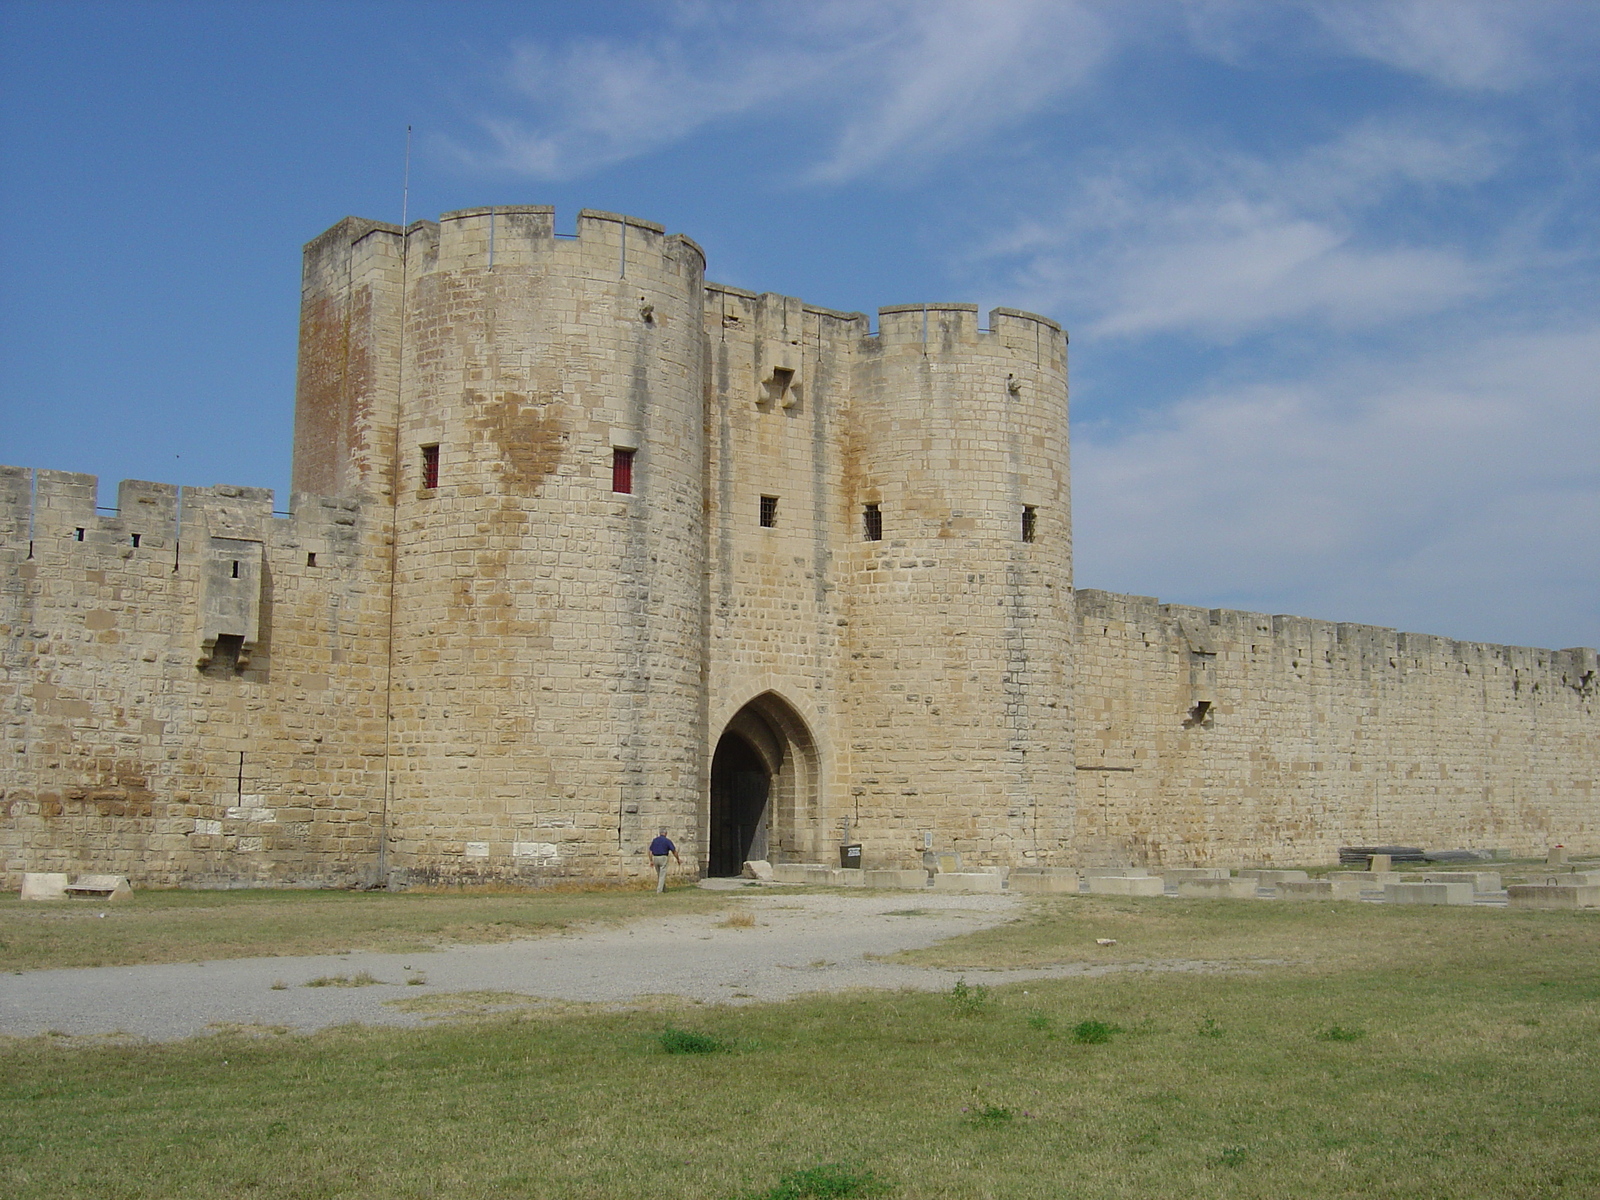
x: 1348, y: 1051
x: 182, y: 926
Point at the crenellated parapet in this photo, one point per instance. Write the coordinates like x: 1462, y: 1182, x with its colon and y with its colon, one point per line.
x: 581, y: 546
x: 1220, y: 735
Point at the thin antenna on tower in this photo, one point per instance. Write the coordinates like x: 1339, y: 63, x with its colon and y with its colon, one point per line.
x: 405, y: 187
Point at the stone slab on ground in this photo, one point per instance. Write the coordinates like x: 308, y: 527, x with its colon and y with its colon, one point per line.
x: 968, y: 881
x: 793, y: 872
x: 100, y: 887
x: 1115, y: 872
x: 1270, y: 878
x: 44, y: 885
x: 1368, y: 879
x: 1218, y: 889
x: 1126, y: 885
x: 757, y: 868
x: 1564, y: 878
x: 1331, y: 887
x: 1481, y: 881
x: 1553, y: 895
x: 1038, y: 883
x: 1177, y: 874
x: 1427, y: 893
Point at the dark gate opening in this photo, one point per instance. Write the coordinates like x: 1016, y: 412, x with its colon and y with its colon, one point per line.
x: 740, y: 782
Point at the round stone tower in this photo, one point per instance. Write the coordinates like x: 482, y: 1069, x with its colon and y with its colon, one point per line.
x: 959, y: 592
x: 533, y: 407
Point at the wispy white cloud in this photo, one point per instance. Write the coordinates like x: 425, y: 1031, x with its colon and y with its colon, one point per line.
x: 877, y: 82
x: 956, y: 70
x: 886, y: 83
x: 1170, y: 241
x: 1471, y: 44
x: 1454, y: 491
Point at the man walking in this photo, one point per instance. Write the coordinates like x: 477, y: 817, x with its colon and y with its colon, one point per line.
x: 660, y: 848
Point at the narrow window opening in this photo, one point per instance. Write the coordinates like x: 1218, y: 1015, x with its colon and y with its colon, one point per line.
x: 236, y: 568
x: 872, y: 523
x: 1030, y: 523
x: 769, y: 511
x: 79, y: 534
x: 311, y: 558
x: 430, y: 466
x: 136, y: 541
x: 622, y: 471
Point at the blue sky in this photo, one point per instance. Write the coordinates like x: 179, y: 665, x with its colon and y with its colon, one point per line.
x: 1330, y: 267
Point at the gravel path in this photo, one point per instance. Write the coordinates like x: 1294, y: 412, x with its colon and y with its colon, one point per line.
x: 800, y: 943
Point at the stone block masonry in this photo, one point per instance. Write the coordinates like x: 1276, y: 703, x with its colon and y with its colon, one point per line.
x: 581, y: 546
x: 1254, y: 738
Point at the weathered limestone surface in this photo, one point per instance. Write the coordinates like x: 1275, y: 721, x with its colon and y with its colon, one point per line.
x: 1050, y: 881
x: 1554, y: 895
x: 1211, y: 887
x: 834, y: 573
x: 1427, y: 893
x: 1126, y: 885
x: 1277, y: 739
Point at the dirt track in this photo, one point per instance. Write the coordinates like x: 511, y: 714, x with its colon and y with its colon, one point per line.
x: 800, y: 943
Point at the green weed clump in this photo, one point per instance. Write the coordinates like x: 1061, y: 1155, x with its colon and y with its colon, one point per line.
x: 1040, y: 1022
x: 1094, y: 1033
x: 831, y: 1181
x: 682, y: 1041
x: 1335, y: 1033
x: 1209, y: 1028
x: 967, y: 1000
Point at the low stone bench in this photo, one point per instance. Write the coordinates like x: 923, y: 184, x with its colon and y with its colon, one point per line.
x: 795, y: 872
x: 1218, y: 889
x: 1330, y: 887
x: 1376, y: 880
x: 1114, y: 872
x: 1050, y: 881
x: 1565, y: 878
x: 1126, y: 885
x: 1427, y: 893
x: 1481, y: 881
x: 883, y: 877
x: 99, y: 887
x: 1268, y: 878
x: 1179, y: 874
x: 1554, y: 895
x: 968, y: 881
x: 44, y: 885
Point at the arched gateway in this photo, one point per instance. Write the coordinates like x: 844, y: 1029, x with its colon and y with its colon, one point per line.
x: 763, y: 801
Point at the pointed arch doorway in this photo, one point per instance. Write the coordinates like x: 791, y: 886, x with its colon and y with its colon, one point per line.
x: 763, y: 787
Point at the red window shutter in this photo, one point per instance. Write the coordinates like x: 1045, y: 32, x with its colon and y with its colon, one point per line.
x: 622, y: 471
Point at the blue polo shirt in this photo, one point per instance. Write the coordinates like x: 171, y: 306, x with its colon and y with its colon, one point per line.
x: 662, y: 845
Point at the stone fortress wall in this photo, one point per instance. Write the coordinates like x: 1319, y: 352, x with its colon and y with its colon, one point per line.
x: 1219, y: 737
x: 514, y: 671
x: 121, y: 752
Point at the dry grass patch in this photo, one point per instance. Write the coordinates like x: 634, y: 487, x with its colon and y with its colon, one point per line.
x: 1470, y: 1081
x: 1241, y: 933
x: 190, y: 926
